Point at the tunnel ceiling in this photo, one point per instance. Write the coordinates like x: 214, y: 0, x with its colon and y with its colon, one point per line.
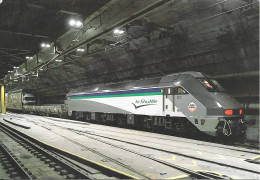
x: 216, y: 37
x: 24, y: 24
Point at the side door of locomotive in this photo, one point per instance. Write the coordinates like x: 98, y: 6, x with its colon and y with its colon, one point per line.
x: 168, y: 100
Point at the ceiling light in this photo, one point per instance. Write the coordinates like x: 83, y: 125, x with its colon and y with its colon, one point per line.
x: 9, y: 71
x: 78, y: 24
x: 79, y: 49
x: 72, y: 22
x: 58, y: 60
x: 15, y: 67
x: 117, y: 31
x: 75, y: 23
x: 27, y: 57
x: 45, y: 45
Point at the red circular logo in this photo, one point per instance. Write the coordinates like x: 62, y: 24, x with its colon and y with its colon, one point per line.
x: 192, y: 107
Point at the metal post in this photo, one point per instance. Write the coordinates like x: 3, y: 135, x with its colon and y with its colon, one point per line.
x: 3, y: 110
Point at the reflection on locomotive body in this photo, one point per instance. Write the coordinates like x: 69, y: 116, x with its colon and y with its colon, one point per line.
x: 183, y: 102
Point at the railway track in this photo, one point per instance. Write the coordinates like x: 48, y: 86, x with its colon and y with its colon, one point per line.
x: 246, y: 145
x: 12, y: 166
x: 247, y: 148
x: 149, y: 147
x: 191, y: 173
x: 237, y: 146
x: 59, y: 165
x: 97, y: 137
x: 90, y: 135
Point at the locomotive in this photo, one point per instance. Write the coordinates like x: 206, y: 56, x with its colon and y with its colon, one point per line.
x: 182, y: 102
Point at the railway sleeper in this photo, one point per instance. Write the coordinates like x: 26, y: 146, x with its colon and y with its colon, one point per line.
x: 13, y: 166
x: 57, y: 163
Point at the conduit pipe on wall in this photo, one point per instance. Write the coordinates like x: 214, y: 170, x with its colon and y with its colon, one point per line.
x: 251, y: 106
x: 234, y: 75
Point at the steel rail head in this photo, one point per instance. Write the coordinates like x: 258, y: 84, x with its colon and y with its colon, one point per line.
x: 45, y: 151
x: 190, y: 172
x: 20, y: 169
x: 50, y: 149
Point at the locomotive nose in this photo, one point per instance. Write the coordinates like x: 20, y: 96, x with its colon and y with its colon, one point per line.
x: 225, y: 101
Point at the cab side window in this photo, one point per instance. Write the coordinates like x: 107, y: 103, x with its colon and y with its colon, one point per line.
x: 181, y: 91
x: 168, y: 91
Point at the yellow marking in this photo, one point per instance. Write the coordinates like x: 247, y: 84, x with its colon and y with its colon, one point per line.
x: 118, y: 171
x: 194, y: 163
x: 151, y: 175
x: 178, y: 177
x: 215, y: 157
x: 210, y: 157
x: 253, y: 158
x: 172, y: 159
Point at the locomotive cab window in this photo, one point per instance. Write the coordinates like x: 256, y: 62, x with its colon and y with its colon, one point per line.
x: 211, y: 85
x: 181, y: 91
x: 168, y: 91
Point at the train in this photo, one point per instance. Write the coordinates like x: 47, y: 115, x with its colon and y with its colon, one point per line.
x: 186, y: 102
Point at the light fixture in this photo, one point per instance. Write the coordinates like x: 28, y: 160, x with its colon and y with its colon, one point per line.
x: 45, y: 45
x: 177, y: 83
x: 15, y: 67
x: 79, y: 49
x: 72, y: 22
x: 27, y: 57
x: 118, y: 32
x: 75, y: 23
x: 78, y: 24
x: 9, y: 71
x: 58, y: 60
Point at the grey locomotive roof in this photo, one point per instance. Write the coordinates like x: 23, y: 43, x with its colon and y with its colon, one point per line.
x: 134, y: 84
x: 193, y: 73
x: 164, y: 81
